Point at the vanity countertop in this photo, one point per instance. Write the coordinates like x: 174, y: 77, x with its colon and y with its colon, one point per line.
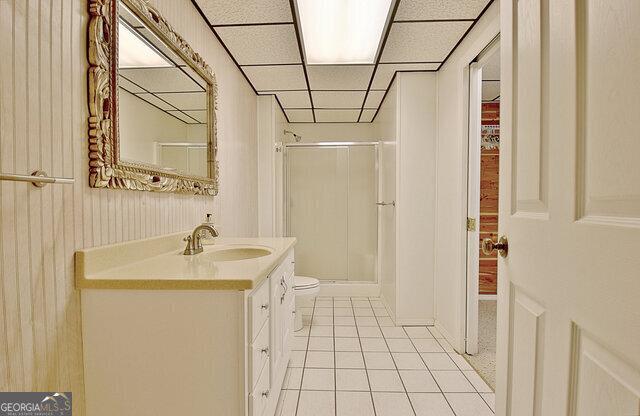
x: 158, y: 263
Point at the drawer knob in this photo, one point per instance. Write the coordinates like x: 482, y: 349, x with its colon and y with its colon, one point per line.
x: 265, y: 350
x: 264, y: 306
x: 265, y: 394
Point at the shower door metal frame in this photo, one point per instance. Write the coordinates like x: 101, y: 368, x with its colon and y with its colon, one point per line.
x: 285, y: 202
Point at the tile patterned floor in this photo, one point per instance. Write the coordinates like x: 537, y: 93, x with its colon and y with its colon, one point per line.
x: 350, y: 360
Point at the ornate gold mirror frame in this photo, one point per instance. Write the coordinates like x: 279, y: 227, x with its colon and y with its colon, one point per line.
x: 106, y: 170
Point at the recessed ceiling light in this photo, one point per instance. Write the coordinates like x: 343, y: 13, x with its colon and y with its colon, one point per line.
x: 136, y: 52
x: 342, y: 31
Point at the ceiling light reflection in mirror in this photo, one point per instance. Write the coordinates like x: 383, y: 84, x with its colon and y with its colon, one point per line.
x: 135, y: 52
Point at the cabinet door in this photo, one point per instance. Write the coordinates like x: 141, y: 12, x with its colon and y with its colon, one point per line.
x: 277, y: 314
x: 288, y: 320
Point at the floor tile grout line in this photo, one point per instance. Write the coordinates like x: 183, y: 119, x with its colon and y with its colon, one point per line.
x: 463, y: 374
x: 304, y: 362
x: 364, y: 362
x: 485, y: 402
x: 396, y: 365
x: 475, y: 388
x: 411, y: 340
x: 431, y: 373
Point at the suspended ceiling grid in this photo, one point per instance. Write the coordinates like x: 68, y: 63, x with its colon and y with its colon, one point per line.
x: 262, y: 37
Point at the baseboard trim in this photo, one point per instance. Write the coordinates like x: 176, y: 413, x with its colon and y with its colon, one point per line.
x: 414, y: 322
x: 405, y: 321
x: 349, y: 289
x: 448, y: 337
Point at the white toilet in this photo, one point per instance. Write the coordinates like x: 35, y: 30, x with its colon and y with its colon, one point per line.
x: 304, y: 288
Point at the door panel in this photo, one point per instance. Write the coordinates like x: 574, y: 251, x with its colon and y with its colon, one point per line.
x: 331, y: 209
x: 604, y: 383
x: 568, y: 313
x: 528, y: 344
x: 317, y: 181
x: 529, y: 146
x: 608, y: 104
x: 362, y: 215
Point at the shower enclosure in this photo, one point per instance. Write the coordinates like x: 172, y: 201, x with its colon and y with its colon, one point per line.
x: 331, y: 191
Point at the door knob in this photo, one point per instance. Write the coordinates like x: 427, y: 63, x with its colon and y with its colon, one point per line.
x: 502, y: 246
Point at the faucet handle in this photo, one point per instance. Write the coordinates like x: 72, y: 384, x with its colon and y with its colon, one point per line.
x: 189, y: 250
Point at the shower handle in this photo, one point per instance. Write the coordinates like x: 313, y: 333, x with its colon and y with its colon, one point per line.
x: 384, y: 204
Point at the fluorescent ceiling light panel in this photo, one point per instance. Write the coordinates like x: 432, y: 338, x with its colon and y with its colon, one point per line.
x: 135, y: 52
x: 342, y: 31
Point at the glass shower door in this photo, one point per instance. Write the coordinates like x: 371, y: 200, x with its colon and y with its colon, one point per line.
x: 330, y: 202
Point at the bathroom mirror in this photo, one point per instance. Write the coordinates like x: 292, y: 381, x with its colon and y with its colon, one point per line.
x: 152, y: 99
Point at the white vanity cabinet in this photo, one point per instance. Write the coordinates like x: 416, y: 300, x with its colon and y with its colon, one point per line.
x: 197, y: 352
x: 283, y: 310
x: 272, y: 366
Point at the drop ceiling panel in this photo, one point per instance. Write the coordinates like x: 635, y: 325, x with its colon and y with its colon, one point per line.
x: 374, y: 98
x: 339, y: 77
x: 195, y: 76
x: 338, y: 99
x: 291, y: 99
x: 186, y: 100
x: 337, y: 116
x: 224, y: 12
x: 160, y: 79
x: 367, y: 115
x: 422, y: 42
x: 271, y: 78
x: 154, y: 100
x: 385, y: 73
x: 128, y: 85
x: 267, y: 44
x: 199, y: 115
x: 439, y: 9
x: 299, y: 116
x: 182, y: 116
x: 261, y: 37
x: 490, y: 90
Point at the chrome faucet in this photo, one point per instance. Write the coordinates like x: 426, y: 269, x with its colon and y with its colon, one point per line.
x: 194, y: 244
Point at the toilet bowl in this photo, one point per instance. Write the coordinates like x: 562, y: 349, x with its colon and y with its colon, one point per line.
x: 304, y: 288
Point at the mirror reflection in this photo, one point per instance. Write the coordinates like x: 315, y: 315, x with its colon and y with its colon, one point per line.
x: 162, y: 102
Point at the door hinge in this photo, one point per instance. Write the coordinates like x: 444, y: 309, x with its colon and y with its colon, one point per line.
x: 471, y: 224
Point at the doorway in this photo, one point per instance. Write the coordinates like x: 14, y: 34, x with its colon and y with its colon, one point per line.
x: 482, y: 216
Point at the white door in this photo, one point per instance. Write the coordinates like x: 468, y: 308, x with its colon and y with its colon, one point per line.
x: 473, y: 206
x: 569, y: 289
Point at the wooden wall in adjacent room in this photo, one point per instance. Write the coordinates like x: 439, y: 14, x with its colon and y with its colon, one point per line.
x: 489, y: 168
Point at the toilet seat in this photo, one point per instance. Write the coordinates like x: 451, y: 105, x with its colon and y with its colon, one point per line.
x: 305, y: 283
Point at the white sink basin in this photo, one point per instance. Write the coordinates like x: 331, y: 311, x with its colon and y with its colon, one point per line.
x: 236, y: 253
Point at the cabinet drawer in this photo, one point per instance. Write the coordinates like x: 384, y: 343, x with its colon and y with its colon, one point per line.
x: 259, y: 308
x: 259, y: 355
x: 259, y: 399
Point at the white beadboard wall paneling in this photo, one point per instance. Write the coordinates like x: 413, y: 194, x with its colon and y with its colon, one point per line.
x: 43, y: 116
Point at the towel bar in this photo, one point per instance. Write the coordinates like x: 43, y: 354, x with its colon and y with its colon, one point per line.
x: 38, y: 178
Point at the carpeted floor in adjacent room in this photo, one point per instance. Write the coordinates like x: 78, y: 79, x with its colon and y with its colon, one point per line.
x: 485, y: 361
